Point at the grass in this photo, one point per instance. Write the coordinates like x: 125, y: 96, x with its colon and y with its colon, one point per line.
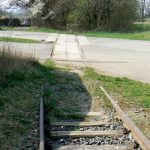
x: 21, y: 80
x: 48, y: 30
x: 20, y: 87
x: 139, y: 31
x: 131, y: 36
x: 129, y: 93
x: 18, y: 40
x: 35, y: 29
x: 64, y: 93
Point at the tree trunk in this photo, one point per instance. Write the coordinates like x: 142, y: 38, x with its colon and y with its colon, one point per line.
x: 143, y: 10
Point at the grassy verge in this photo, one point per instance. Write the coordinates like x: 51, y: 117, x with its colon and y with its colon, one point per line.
x: 132, y: 96
x: 139, y: 31
x: 129, y: 92
x: 20, y: 87
x: 18, y: 40
x: 34, y: 29
x: 131, y: 36
x: 48, y: 30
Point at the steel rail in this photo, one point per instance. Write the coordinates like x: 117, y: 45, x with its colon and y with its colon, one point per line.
x: 41, y: 145
x: 138, y: 136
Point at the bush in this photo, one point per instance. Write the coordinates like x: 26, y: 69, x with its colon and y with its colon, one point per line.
x: 109, y: 15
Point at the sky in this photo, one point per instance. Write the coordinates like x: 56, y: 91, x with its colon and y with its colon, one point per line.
x: 4, y: 4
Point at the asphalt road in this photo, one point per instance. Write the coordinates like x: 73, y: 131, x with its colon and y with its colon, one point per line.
x: 122, y: 58
x: 40, y: 51
x: 125, y: 58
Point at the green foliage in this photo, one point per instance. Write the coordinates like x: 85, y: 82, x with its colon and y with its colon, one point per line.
x: 108, y: 15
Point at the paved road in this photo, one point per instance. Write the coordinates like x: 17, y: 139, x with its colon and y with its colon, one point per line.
x: 124, y: 58
x: 41, y: 51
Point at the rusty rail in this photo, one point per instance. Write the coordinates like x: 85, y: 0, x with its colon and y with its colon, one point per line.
x: 130, y: 125
x: 41, y: 145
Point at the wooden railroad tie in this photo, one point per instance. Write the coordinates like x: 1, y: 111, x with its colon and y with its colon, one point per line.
x: 86, y: 133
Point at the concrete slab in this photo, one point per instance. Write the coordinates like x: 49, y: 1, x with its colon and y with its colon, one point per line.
x: 67, y: 48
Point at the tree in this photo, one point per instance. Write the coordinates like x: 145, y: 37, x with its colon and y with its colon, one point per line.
x: 110, y: 15
x: 147, y: 9
x: 1, y: 9
x: 52, y: 13
x: 143, y: 2
x: 1, y: 13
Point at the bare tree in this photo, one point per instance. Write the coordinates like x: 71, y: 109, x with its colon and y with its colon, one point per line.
x: 147, y: 9
x: 1, y: 13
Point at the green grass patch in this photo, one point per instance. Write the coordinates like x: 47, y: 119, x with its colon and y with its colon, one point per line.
x: 18, y: 40
x: 20, y: 90
x: 48, y: 30
x: 128, y: 92
x: 138, y: 31
x: 131, y: 36
x: 20, y: 87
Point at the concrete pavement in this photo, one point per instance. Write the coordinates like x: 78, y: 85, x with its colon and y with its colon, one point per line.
x: 67, y: 48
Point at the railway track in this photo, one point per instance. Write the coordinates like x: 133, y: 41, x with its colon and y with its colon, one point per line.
x: 93, y: 131
x: 99, y: 131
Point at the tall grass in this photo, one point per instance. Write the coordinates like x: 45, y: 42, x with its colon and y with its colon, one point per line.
x: 13, y: 65
x: 19, y: 95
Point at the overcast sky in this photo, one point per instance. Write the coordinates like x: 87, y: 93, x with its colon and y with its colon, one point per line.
x: 4, y: 4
